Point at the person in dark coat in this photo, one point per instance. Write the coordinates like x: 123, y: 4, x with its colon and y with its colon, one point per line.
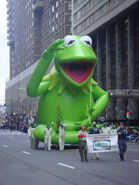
x: 94, y: 129
x: 122, y: 141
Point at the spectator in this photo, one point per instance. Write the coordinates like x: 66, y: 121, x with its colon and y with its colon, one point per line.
x: 94, y: 130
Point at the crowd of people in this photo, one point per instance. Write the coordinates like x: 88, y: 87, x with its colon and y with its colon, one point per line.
x: 119, y: 129
x: 103, y: 128
x: 124, y: 135
x: 20, y: 125
x: 47, y: 136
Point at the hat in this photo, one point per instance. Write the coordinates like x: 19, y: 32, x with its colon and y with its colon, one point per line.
x: 83, y: 126
x: 61, y: 123
x: 47, y: 125
x: 104, y: 124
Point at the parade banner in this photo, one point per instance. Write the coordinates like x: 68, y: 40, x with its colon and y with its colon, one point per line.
x: 102, y: 143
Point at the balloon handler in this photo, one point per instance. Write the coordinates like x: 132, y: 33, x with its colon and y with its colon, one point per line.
x: 68, y: 88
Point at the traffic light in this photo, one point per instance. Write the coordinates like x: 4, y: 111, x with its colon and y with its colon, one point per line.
x: 127, y: 114
x: 5, y: 106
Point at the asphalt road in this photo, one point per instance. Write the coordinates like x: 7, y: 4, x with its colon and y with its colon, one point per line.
x: 20, y: 165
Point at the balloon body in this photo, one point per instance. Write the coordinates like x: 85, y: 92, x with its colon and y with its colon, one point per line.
x: 68, y: 93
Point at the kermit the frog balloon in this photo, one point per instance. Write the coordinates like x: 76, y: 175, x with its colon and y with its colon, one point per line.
x: 68, y: 93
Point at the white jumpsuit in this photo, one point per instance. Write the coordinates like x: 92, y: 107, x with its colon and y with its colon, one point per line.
x: 105, y: 130
x: 47, y: 138
x: 31, y: 137
x: 113, y: 130
x: 61, y: 137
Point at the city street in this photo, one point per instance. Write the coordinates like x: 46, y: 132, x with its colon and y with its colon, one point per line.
x: 20, y: 165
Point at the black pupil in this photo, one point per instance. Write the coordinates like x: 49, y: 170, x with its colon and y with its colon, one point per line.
x: 70, y: 42
x: 87, y: 42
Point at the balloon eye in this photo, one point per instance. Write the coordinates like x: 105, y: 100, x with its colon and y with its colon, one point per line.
x: 86, y: 40
x: 69, y: 40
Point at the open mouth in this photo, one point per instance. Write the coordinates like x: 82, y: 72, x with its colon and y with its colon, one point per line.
x: 78, y: 71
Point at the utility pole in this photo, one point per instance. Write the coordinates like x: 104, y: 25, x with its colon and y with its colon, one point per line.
x: 18, y: 97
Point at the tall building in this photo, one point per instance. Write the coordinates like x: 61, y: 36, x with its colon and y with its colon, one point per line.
x: 32, y: 26
x: 114, y: 28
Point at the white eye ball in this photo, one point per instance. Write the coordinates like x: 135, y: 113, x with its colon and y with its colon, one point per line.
x: 69, y: 40
x: 86, y: 40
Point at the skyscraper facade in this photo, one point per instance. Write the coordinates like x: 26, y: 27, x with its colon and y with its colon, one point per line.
x: 114, y: 28
x: 32, y: 26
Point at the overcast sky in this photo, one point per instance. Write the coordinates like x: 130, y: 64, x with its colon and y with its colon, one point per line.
x: 4, y: 50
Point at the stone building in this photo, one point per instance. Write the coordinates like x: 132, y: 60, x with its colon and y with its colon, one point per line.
x: 32, y: 26
x: 114, y: 28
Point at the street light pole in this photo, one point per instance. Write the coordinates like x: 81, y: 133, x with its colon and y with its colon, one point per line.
x: 11, y: 106
x: 18, y: 97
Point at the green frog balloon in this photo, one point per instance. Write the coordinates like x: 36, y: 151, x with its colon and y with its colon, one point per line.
x: 68, y: 93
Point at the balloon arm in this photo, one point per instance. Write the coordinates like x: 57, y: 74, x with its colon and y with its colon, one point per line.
x: 34, y: 83
x: 34, y: 88
x: 43, y: 87
x: 101, y: 101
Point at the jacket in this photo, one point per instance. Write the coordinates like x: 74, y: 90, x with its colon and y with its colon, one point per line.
x: 94, y: 130
x: 123, y: 133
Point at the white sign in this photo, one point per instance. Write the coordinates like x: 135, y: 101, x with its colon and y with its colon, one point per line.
x: 102, y: 143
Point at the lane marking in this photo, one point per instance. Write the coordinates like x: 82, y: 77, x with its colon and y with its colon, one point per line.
x: 5, y: 146
x: 26, y: 152
x: 137, y: 161
x: 66, y: 166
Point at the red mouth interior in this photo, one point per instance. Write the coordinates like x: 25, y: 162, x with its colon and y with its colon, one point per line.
x: 78, y: 71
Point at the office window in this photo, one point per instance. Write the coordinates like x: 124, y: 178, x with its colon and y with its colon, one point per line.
x: 69, y: 18
x: 49, y: 22
x: 56, y: 14
x: 106, y: 8
x: 53, y: 29
x: 53, y: 8
x: 78, y: 14
x: 75, y: 16
x: 56, y: 3
x: 91, y: 19
x: 53, y: 18
x: 56, y: 26
x: 69, y: 6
